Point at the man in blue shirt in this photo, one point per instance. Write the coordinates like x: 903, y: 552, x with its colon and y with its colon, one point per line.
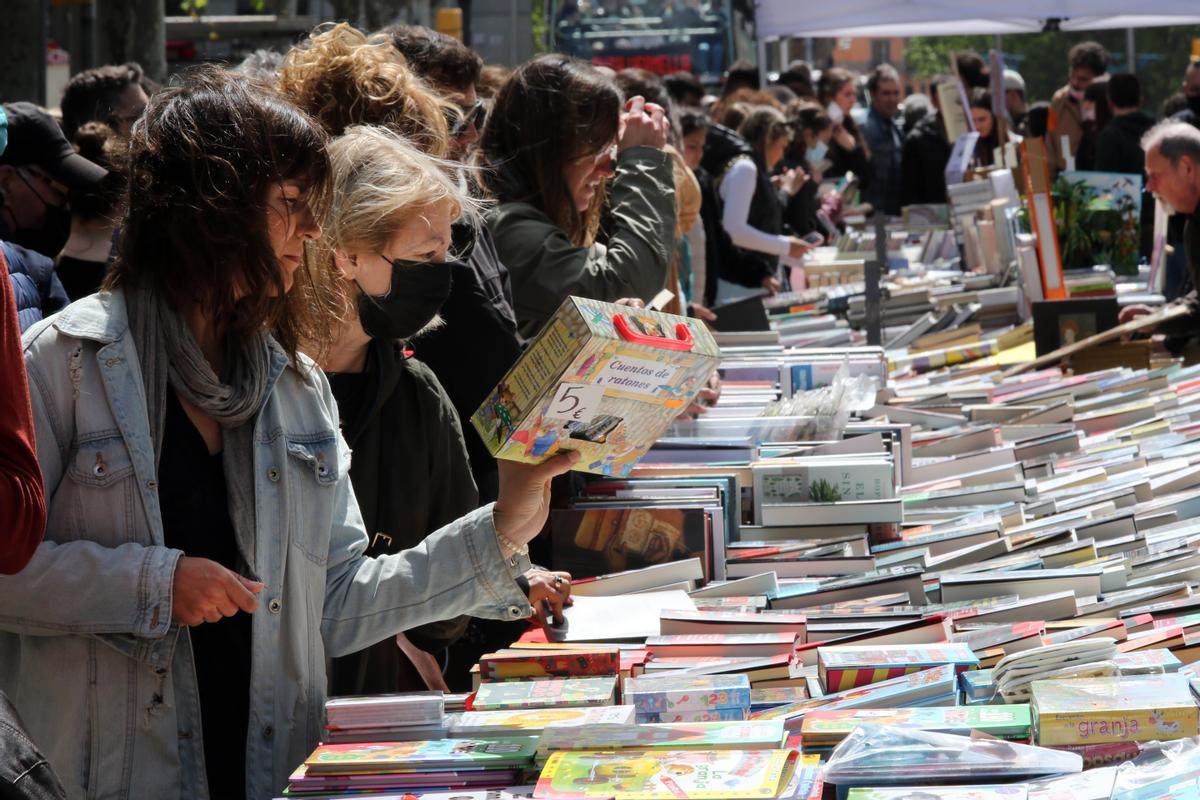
x: 885, y: 139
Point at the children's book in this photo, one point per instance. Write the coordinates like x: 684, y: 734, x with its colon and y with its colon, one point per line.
x: 764, y: 735
x: 992, y: 792
x: 525, y: 721
x: 554, y: 693
x: 333, y: 759
x: 667, y: 775
x: 661, y: 695
x: 825, y: 728
x: 600, y: 379
x: 532, y: 665
x: 849, y: 666
x: 1139, y: 708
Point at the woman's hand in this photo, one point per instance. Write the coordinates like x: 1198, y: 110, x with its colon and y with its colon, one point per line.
x: 772, y: 284
x: 702, y: 313
x: 205, y: 591
x: 797, y: 247
x: 708, y: 396
x: 791, y: 181
x: 524, y: 501
x: 425, y: 664
x: 549, y: 590
x: 843, y: 137
x: 642, y: 125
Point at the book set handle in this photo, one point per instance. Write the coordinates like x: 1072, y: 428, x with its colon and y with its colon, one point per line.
x: 683, y: 334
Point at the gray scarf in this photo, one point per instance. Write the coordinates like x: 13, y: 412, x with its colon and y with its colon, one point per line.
x: 169, y: 353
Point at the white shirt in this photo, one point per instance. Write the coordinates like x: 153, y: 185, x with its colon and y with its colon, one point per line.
x: 737, y: 190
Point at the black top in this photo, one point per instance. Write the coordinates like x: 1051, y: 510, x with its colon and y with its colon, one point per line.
x: 411, y: 476
x: 196, y: 520
x: 80, y: 277
x: 471, y: 353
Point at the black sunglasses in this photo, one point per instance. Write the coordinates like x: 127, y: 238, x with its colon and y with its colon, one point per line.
x: 468, y: 117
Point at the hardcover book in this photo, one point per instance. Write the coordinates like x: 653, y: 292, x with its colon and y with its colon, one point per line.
x: 667, y: 775
x: 526, y: 721
x: 669, y: 695
x: 825, y: 728
x: 1114, y: 709
x: 332, y: 759
x: 591, y: 542
x: 556, y: 692
x: 533, y: 665
x: 848, y: 666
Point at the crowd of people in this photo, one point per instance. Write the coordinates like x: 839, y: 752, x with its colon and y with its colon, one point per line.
x: 260, y: 304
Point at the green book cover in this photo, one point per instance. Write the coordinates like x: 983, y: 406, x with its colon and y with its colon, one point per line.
x: 598, y: 691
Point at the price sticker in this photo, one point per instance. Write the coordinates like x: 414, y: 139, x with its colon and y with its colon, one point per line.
x: 576, y: 402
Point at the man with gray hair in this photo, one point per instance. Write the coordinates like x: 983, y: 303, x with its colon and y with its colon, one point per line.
x: 1173, y: 175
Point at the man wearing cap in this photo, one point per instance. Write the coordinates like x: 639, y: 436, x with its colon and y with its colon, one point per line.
x: 37, y: 168
x: 1014, y: 100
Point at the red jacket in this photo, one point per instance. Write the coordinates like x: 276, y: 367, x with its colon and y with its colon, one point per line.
x: 22, y: 498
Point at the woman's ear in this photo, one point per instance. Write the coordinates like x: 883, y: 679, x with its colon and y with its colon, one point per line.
x: 347, y: 265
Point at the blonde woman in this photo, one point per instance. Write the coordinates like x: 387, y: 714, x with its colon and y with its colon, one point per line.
x: 384, y: 245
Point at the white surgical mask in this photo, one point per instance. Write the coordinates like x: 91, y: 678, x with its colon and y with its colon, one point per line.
x: 815, y: 154
x: 835, y: 113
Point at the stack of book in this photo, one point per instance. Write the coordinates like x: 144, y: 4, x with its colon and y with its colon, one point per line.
x: 974, y: 583
x: 689, y: 699
x: 340, y: 770
x: 392, y: 717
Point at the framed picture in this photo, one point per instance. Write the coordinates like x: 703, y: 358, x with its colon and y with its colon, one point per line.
x: 1057, y: 323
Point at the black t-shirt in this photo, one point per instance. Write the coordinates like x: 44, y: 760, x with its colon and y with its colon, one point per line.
x: 350, y: 391
x: 196, y: 520
x: 80, y: 277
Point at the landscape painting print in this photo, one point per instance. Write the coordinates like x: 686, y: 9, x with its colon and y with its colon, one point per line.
x: 591, y: 542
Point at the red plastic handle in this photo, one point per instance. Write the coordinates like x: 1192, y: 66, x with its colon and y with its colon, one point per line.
x: 683, y: 340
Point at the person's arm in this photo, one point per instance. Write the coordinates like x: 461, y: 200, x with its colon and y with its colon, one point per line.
x: 81, y: 587
x: 698, y: 243
x: 737, y: 192
x: 459, y: 569
x: 22, y: 497
x: 546, y: 267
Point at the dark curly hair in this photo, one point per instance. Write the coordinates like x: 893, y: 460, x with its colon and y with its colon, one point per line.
x: 342, y: 77
x: 442, y: 60
x: 93, y: 95
x: 202, y: 165
x: 101, y: 145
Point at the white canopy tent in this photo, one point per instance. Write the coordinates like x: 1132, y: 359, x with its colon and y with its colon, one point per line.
x: 867, y: 18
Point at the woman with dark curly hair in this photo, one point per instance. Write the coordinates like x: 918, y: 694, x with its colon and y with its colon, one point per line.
x: 204, y: 552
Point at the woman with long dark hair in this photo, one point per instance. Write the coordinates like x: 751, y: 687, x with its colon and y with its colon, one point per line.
x: 556, y: 142
x: 204, y: 550
x: 847, y: 149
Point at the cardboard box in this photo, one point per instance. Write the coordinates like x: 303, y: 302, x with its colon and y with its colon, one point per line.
x: 601, y: 379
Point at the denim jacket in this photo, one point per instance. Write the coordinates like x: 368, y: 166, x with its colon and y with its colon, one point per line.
x: 103, y: 678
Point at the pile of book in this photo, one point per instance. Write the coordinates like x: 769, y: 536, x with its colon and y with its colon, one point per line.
x: 350, y: 770
x: 394, y: 717
x: 975, y: 583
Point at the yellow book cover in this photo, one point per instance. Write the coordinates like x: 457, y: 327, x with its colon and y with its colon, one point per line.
x: 667, y: 775
x: 1139, y: 708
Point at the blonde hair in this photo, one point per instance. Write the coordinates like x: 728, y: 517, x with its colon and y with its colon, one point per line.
x: 343, y: 77
x: 380, y: 182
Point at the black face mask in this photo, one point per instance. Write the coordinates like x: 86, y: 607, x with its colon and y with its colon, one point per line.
x: 54, y: 232
x: 418, y: 291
